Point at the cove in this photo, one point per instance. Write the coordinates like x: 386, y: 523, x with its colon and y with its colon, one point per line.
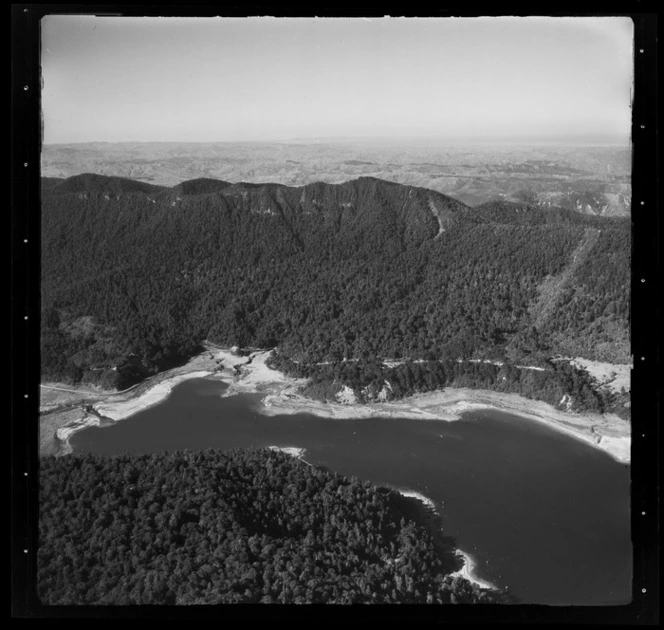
x: 543, y: 514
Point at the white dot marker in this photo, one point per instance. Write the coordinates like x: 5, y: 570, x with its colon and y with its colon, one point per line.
x: 25, y: 164
x: 643, y: 590
x: 25, y: 87
x: 26, y: 317
x: 25, y: 551
x: 642, y: 280
x: 642, y: 126
x: 643, y: 203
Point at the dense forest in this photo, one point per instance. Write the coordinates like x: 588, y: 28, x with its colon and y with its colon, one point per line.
x: 135, y: 277
x: 245, y: 526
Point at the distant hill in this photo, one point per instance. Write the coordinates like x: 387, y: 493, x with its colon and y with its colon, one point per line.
x: 49, y: 183
x: 200, y: 186
x: 515, y: 213
x: 92, y: 183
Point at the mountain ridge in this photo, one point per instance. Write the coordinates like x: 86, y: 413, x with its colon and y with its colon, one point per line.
x: 288, y: 202
x: 94, y: 182
x: 498, y: 209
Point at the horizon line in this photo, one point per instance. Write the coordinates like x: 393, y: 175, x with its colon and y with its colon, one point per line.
x: 627, y: 142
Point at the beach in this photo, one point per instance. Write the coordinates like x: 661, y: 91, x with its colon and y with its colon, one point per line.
x: 467, y: 571
x: 250, y: 374
x: 293, y: 451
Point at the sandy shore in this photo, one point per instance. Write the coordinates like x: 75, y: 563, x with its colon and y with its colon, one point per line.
x: 250, y: 374
x: 467, y: 572
x: 420, y: 497
x: 119, y: 410
x: 65, y: 432
x: 293, y: 451
x: 468, y: 569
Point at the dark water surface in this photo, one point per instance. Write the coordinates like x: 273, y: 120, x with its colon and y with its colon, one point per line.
x: 542, y: 513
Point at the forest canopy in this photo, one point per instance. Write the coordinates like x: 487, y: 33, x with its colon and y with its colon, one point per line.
x: 245, y: 526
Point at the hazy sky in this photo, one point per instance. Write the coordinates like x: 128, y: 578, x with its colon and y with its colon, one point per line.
x: 227, y: 79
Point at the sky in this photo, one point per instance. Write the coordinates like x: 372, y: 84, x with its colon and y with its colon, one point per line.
x: 117, y: 79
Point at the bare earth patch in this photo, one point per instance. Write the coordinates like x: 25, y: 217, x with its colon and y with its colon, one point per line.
x: 613, y: 376
x: 49, y: 425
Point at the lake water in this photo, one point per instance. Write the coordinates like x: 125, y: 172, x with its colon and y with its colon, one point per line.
x: 542, y: 513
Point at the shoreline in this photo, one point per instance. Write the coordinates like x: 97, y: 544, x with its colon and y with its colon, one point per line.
x: 608, y: 433
x: 467, y: 572
x: 293, y: 451
x: 124, y: 409
x: 62, y: 419
x: 250, y: 375
x: 469, y: 566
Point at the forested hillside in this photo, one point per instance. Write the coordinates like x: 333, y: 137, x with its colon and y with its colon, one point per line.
x: 135, y: 278
x: 250, y: 526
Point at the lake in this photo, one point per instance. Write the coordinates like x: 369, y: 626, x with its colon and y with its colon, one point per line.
x: 544, y: 514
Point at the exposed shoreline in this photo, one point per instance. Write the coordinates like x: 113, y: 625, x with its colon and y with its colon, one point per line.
x: 467, y: 570
x: 59, y: 421
x: 250, y: 374
x: 608, y: 433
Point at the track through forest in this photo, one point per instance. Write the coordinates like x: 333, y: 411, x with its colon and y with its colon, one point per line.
x: 552, y: 288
